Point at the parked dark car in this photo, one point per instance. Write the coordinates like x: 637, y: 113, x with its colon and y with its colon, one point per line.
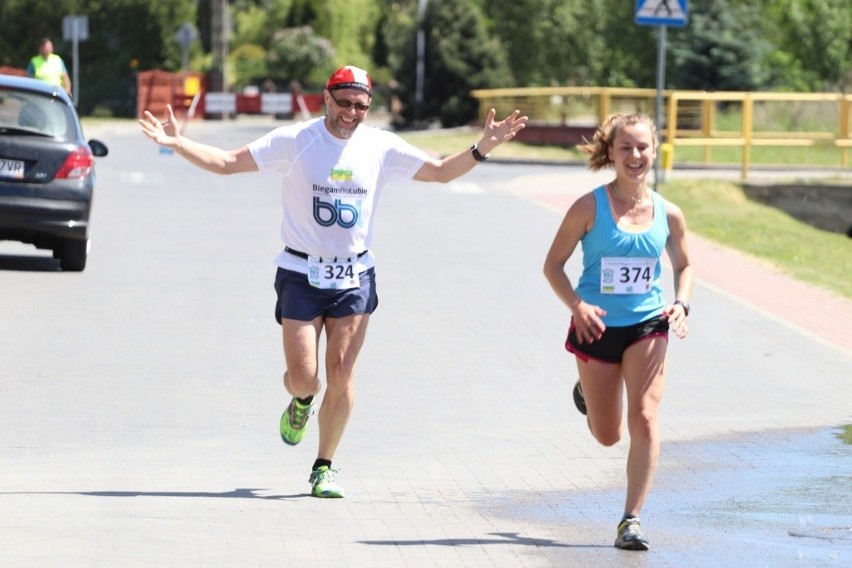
x: 47, y: 173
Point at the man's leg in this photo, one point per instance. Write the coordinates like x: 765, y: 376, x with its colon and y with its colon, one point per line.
x: 345, y: 337
x: 300, y: 378
x: 301, y: 339
x: 644, y: 367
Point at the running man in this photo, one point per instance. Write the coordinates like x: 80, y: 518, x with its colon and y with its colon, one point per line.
x: 333, y: 170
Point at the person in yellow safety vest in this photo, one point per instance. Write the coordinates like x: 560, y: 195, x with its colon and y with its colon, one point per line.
x: 49, y: 67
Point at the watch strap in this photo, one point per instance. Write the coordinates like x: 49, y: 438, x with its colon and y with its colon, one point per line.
x: 477, y: 155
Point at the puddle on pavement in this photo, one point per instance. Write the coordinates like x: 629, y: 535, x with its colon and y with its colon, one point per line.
x: 789, y: 493
x: 766, y: 499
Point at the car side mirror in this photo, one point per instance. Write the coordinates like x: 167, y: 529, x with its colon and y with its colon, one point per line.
x: 99, y: 149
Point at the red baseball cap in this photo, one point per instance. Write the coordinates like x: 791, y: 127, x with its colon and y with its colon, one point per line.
x: 350, y: 77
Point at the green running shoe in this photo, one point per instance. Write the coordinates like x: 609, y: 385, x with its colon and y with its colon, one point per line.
x: 630, y: 536
x: 294, y: 422
x: 323, y: 485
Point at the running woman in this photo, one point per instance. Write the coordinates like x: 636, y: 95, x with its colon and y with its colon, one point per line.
x: 620, y: 320
x: 332, y: 170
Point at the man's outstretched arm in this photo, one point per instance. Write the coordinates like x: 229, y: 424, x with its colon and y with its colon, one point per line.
x: 210, y: 158
x: 494, y: 133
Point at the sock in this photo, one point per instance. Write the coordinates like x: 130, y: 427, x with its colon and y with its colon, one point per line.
x: 628, y: 516
x: 305, y: 401
x: 320, y: 463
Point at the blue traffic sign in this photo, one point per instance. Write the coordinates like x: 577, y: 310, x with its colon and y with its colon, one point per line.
x: 661, y: 13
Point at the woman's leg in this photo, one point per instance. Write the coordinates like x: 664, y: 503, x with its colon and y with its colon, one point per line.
x: 603, y: 391
x: 644, y: 368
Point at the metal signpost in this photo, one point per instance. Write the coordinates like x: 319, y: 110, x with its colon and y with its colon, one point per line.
x: 185, y: 35
x: 661, y: 13
x: 76, y: 29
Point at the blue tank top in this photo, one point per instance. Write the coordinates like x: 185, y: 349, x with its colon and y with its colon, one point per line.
x: 630, y: 291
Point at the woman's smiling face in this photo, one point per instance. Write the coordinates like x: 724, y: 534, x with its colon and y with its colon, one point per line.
x: 632, y: 151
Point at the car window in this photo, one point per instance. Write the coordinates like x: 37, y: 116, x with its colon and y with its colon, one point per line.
x: 30, y: 111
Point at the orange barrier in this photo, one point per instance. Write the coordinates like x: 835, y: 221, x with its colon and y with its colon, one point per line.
x: 13, y: 71
x: 156, y: 89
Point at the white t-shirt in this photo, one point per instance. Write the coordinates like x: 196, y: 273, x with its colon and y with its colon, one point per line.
x: 331, y: 186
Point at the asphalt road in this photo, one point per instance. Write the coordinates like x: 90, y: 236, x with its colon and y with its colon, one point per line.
x: 140, y: 398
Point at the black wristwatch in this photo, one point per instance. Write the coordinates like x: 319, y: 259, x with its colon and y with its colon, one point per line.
x: 477, y: 155
x: 683, y: 305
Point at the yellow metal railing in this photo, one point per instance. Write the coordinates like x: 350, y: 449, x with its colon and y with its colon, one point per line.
x: 690, y: 116
x: 748, y: 137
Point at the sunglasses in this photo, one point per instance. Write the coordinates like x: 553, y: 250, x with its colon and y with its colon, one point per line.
x: 345, y: 103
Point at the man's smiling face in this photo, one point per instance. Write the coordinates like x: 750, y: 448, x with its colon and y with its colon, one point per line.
x: 341, y: 121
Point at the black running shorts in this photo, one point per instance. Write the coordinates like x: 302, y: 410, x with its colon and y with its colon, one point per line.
x: 298, y: 300
x: 615, y: 340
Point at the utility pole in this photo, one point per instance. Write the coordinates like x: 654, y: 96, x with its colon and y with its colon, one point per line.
x: 421, y: 59
x: 219, y: 42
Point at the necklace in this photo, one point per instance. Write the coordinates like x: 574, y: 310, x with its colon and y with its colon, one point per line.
x: 637, y: 200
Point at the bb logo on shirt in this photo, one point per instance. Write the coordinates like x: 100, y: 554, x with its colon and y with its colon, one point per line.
x: 328, y: 214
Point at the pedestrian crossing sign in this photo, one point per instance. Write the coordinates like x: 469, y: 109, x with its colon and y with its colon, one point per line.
x: 661, y: 12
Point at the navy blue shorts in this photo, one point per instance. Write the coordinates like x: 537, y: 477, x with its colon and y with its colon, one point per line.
x: 615, y: 340
x: 298, y: 300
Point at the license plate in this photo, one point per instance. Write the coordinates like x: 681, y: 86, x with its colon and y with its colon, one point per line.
x: 11, y: 169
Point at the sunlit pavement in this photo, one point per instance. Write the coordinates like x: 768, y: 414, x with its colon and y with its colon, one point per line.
x: 141, y: 398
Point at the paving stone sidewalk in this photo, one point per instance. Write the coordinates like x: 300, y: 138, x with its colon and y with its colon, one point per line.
x: 141, y: 399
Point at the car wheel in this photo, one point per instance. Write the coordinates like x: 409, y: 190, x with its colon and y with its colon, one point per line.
x: 72, y: 256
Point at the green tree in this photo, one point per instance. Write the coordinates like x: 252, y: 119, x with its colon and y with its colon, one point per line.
x: 350, y: 25
x: 249, y: 64
x: 395, y: 31
x: 722, y: 48
x: 553, y: 42
x: 352, y: 31
x: 608, y: 48
x: 310, y: 13
x: 256, y: 21
x: 24, y: 22
x: 728, y: 44
x: 460, y: 57
x: 813, y: 40
x: 300, y: 54
x: 520, y: 34
x: 124, y: 36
